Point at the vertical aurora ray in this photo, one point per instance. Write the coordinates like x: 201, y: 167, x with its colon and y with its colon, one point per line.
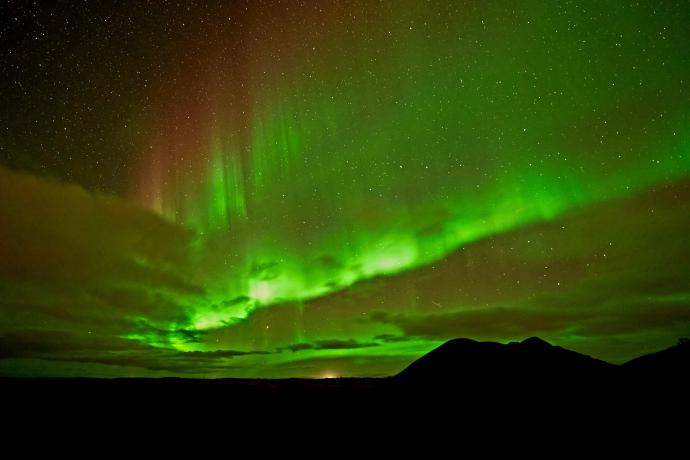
x: 383, y: 138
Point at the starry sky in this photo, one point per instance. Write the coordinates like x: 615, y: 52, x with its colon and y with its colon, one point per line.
x: 317, y: 189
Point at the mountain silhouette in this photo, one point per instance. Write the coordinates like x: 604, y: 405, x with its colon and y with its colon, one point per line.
x: 468, y: 362
x: 461, y: 374
x: 671, y: 363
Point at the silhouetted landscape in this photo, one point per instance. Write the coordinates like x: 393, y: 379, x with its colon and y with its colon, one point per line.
x: 461, y: 371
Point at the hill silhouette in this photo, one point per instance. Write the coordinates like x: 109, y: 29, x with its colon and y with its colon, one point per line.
x: 671, y: 363
x: 485, y: 376
x: 465, y: 361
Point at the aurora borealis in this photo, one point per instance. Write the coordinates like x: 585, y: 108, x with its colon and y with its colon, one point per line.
x: 310, y: 189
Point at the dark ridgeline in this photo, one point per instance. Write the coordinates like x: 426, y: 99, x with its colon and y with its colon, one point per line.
x: 465, y: 361
x: 536, y: 368
x: 671, y: 364
x: 483, y: 377
x: 518, y: 376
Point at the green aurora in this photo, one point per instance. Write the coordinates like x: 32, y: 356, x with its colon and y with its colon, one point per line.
x: 335, y: 189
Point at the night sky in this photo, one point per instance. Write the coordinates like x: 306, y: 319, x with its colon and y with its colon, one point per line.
x: 318, y: 189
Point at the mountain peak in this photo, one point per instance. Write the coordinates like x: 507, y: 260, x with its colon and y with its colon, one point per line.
x: 532, y: 359
x: 536, y: 342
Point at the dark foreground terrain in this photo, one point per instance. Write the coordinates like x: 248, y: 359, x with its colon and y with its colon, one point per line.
x: 462, y: 373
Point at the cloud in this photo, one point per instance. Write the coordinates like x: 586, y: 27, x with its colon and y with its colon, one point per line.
x: 333, y: 344
x: 392, y: 338
x: 297, y: 347
x: 58, y: 233
x: 342, y: 344
x: 93, y: 349
x: 79, y: 270
x: 477, y: 323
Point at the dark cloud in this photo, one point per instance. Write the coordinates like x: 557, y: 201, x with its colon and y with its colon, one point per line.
x: 392, y: 338
x: 56, y: 233
x: 91, y: 348
x: 79, y: 270
x: 297, y: 347
x: 476, y: 323
x: 32, y: 342
x: 342, y: 344
x: 328, y: 345
x: 70, y: 255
